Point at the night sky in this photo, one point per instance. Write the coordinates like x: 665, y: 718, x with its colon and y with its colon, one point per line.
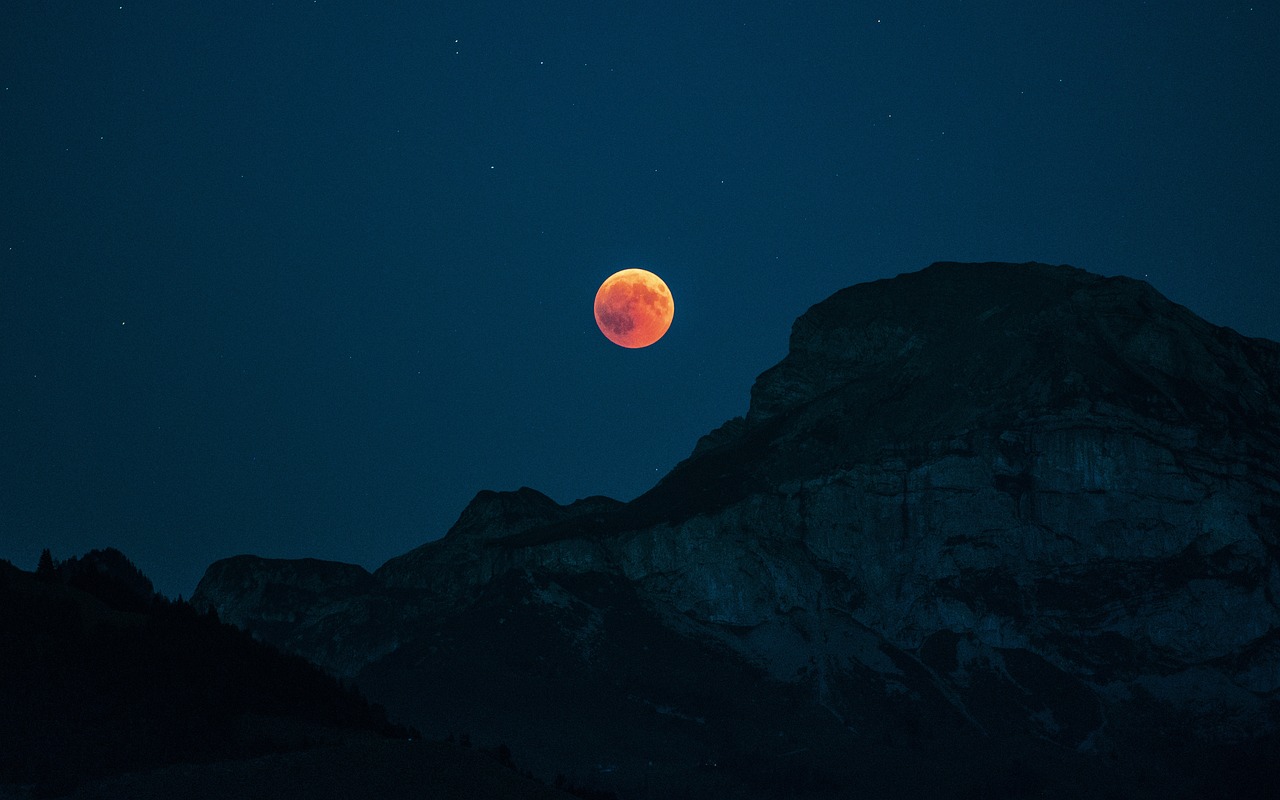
x: 300, y: 278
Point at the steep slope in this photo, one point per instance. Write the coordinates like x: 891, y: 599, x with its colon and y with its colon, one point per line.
x: 1018, y: 502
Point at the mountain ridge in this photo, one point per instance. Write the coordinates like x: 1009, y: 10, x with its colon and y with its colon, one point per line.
x: 1026, y: 498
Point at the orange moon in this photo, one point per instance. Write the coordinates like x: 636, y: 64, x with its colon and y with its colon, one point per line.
x: 634, y: 308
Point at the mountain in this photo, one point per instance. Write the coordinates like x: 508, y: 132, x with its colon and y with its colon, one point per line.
x: 987, y: 530
x: 110, y: 691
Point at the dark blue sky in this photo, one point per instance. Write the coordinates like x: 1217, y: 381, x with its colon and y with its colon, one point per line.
x: 299, y: 278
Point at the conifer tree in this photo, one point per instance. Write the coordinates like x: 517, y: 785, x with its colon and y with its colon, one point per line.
x: 45, y: 570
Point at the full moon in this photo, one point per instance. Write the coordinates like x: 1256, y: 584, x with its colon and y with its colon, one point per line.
x: 634, y: 308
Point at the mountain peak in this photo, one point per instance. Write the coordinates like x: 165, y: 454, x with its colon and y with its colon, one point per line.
x: 931, y: 355
x: 493, y: 513
x: 1029, y: 333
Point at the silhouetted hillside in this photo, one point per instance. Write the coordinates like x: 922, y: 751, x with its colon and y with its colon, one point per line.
x: 109, y: 576
x: 96, y: 678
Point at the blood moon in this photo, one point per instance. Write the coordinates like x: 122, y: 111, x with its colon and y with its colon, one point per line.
x: 634, y: 308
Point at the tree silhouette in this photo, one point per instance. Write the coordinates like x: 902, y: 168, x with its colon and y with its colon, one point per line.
x: 45, y: 570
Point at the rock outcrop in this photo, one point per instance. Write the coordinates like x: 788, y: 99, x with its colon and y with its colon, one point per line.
x: 1034, y: 498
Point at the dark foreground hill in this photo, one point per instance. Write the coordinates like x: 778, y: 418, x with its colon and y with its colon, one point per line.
x: 109, y: 691
x: 988, y: 530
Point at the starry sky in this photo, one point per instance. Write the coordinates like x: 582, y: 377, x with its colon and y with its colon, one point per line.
x: 300, y: 278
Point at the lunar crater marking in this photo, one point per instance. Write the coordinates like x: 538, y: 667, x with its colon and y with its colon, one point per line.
x: 634, y: 308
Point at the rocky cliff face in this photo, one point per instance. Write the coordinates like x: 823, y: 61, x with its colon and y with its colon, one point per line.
x: 1033, y: 497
